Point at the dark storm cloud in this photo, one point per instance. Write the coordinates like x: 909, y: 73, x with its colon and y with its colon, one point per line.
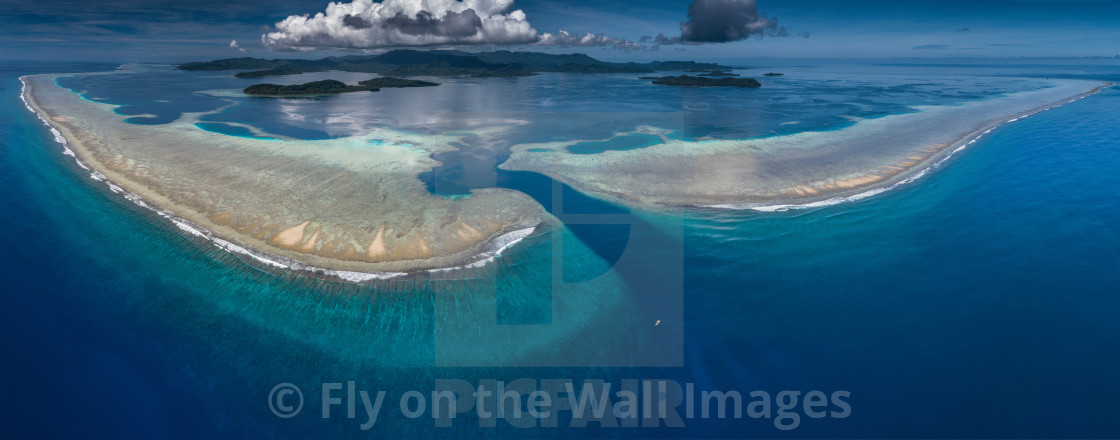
x: 719, y: 21
x: 722, y: 21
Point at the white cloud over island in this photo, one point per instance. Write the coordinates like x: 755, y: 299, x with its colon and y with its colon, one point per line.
x: 366, y: 24
x: 589, y: 39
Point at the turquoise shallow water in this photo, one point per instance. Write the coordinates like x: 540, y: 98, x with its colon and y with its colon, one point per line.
x: 227, y: 129
x: 978, y: 302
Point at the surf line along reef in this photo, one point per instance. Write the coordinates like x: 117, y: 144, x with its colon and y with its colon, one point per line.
x: 337, y: 204
x: 786, y: 171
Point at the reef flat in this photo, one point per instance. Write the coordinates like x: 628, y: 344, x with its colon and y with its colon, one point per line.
x: 779, y: 172
x: 351, y: 204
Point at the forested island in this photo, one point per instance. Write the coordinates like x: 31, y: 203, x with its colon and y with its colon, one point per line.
x: 324, y: 87
x: 445, y: 63
x: 699, y: 81
x: 332, y: 87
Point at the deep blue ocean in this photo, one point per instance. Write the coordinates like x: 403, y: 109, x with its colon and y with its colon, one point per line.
x: 979, y: 302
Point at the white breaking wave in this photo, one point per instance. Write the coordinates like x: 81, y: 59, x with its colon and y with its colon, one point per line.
x: 493, y: 249
x: 876, y: 191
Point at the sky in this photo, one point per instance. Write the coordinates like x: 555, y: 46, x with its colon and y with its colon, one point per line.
x: 144, y: 30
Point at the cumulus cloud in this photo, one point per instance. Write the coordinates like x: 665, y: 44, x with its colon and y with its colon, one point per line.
x: 233, y: 45
x: 568, y: 39
x: 364, y: 24
x: 662, y: 39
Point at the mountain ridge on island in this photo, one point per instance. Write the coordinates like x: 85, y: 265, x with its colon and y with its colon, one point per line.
x: 406, y: 62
